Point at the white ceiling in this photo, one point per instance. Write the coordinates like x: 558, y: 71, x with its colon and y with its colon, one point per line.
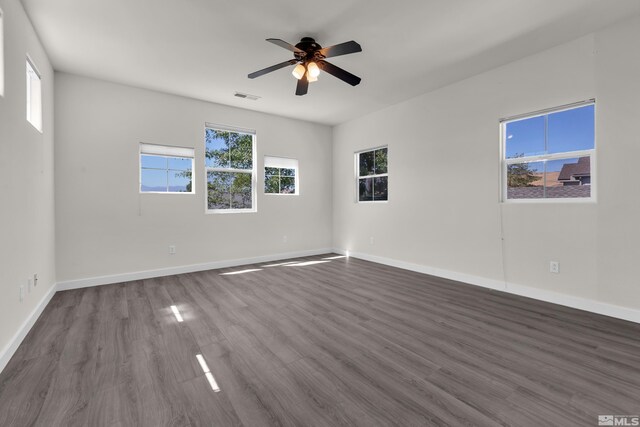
x: 204, y: 49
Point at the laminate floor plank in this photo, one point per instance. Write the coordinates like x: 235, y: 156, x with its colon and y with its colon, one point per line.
x: 216, y: 410
x: 142, y: 320
x: 112, y: 299
x: 156, y: 390
x: 156, y: 292
x: 238, y: 380
x: 113, y: 355
x: 134, y: 289
x: 23, y: 389
x: 316, y: 341
x: 47, y: 335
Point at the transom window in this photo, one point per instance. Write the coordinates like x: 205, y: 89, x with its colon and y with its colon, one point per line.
x: 229, y: 160
x: 372, y: 175
x: 34, y: 96
x: 549, y: 155
x: 165, y: 169
x: 280, y: 175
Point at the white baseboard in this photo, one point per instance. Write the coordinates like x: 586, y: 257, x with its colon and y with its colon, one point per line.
x: 148, y: 274
x: 593, y: 306
x: 8, y: 351
x: 16, y: 340
x: 606, y: 309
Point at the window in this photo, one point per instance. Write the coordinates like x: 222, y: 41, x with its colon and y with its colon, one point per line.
x: 280, y: 175
x: 1, y: 54
x: 34, y: 96
x: 165, y: 169
x: 231, y: 183
x: 548, y: 155
x: 373, y: 176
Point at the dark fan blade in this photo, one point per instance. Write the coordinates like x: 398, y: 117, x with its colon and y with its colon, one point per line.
x: 272, y: 68
x: 338, y: 72
x: 340, y: 49
x: 302, y: 86
x: 287, y: 46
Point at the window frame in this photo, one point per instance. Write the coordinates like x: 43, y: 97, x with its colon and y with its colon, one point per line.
x: 253, y: 171
x: 30, y: 65
x: 356, y: 159
x: 295, y: 167
x: 141, y: 152
x: 591, y: 153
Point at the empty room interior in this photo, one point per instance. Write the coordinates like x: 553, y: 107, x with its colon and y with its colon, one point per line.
x: 411, y: 213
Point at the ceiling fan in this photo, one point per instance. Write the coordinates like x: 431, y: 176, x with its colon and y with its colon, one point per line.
x: 310, y: 59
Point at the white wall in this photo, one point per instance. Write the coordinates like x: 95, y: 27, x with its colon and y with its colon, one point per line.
x: 105, y: 227
x: 444, y: 186
x: 26, y: 180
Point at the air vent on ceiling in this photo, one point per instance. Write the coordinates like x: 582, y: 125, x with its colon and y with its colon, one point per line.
x: 246, y: 96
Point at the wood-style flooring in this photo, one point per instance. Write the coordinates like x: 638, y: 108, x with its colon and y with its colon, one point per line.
x: 340, y: 342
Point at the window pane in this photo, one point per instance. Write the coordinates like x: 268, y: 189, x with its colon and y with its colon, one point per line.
x: 271, y: 171
x: 525, y: 137
x: 287, y: 185
x: 381, y: 161
x: 34, y: 97
x: 525, y: 180
x: 153, y: 180
x: 229, y: 190
x: 241, y: 191
x: 365, y: 189
x: 219, y: 190
x: 568, y: 178
x: 241, y: 146
x: 380, y: 188
x: 571, y: 130
x: 271, y: 184
x: 288, y: 172
x: 216, y: 148
x: 153, y: 162
x: 180, y: 181
x: 179, y: 164
x: 366, y: 163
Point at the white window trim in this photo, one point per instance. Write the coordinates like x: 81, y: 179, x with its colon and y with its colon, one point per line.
x: 166, y: 151
x: 31, y: 64
x: 356, y: 160
x: 295, y: 166
x: 252, y: 171
x: 591, y: 153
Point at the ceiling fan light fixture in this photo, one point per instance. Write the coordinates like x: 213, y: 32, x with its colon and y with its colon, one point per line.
x: 298, y: 71
x: 313, y: 69
x: 311, y: 78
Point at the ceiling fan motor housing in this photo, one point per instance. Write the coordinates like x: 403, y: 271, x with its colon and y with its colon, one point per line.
x: 311, y: 49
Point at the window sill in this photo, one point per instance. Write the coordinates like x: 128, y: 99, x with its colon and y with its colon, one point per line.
x: 35, y: 127
x: 549, y: 201
x: 167, y: 192
x: 229, y: 211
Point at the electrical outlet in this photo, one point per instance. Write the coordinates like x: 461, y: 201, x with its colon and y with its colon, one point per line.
x: 554, y: 267
x: 35, y: 280
x: 172, y: 250
x: 284, y: 239
x: 371, y: 240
